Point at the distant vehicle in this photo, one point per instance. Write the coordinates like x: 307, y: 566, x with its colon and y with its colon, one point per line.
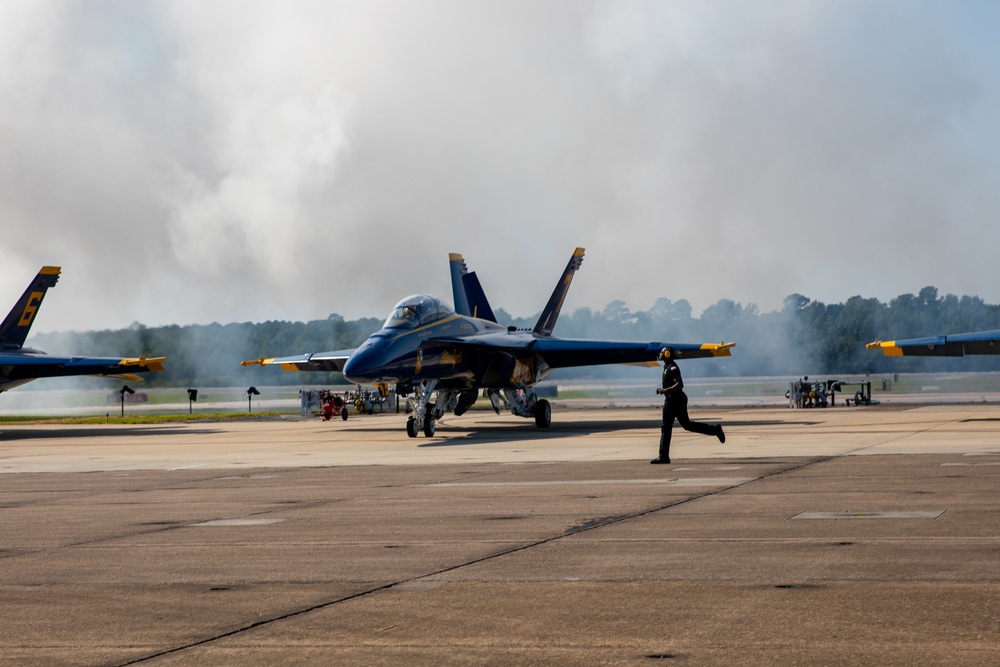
x: 333, y: 405
x: 952, y: 345
x: 445, y: 356
x: 19, y: 364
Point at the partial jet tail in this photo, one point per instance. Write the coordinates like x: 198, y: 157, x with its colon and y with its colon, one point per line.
x: 470, y: 299
x: 459, y: 269
x: 478, y: 304
x: 15, y: 327
x: 547, y: 320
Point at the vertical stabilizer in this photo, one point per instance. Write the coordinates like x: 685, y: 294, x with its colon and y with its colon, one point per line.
x: 547, y: 320
x: 470, y: 299
x: 15, y: 327
x: 478, y: 304
x: 459, y: 269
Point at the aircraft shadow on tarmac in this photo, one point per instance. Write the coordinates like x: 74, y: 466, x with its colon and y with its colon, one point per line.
x: 91, y: 432
x: 452, y: 436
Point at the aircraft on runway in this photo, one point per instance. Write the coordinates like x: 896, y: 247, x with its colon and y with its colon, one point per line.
x: 445, y: 356
x: 953, y: 345
x: 19, y: 364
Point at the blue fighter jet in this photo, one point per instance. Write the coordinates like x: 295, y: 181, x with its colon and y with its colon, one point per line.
x: 953, y: 345
x: 445, y: 356
x: 19, y: 364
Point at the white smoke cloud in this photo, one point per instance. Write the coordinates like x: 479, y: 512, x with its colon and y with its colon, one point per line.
x: 191, y: 162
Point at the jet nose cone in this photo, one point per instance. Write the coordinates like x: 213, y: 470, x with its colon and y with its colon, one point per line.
x: 364, y: 366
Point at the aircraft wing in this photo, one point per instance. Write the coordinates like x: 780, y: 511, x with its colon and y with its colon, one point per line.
x: 568, y: 352
x: 318, y: 361
x: 19, y: 365
x: 954, y: 345
x: 22, y: 366
x: 564, y: 353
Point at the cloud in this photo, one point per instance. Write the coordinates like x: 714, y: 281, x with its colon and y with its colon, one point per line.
x: 192, y: 163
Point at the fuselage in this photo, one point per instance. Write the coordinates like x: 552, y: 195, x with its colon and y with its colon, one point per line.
x: 422, y: 340
x: 13, y: 375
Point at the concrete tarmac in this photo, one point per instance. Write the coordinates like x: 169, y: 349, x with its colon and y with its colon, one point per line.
x: 812, y: 537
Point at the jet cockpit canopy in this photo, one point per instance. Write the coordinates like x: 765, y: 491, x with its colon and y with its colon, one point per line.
x: 417, y: 310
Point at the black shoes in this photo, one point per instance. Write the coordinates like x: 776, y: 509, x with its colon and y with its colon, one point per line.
x: 719, y: 433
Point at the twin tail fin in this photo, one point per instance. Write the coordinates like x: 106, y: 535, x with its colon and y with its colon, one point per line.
x: 17, y: 324
x: 470, y: 299
x: 547, y: 320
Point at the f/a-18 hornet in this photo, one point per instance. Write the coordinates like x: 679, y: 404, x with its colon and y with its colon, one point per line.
x: 445, y: 356
x: 19, y: 364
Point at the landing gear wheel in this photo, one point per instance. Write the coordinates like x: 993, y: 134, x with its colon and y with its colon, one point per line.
x: 429, y: 425
x: 411, y: 427
x: 543, y: 414
x: 343, y: 413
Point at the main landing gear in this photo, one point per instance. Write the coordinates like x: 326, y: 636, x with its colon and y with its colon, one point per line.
x: 543, y: 414
x: 521, y: 402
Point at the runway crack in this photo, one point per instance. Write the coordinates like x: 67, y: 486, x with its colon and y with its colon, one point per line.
x: 593, y: 524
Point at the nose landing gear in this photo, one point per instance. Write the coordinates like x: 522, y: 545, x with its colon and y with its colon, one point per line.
x: 424, y: 412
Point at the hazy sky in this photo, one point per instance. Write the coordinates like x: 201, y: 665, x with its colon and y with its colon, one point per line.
x: 190, y: 162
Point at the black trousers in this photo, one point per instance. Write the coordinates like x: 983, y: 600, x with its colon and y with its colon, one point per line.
x: 676, y: 407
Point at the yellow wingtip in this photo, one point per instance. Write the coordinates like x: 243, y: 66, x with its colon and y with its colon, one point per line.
x: 719, y: 349
x: 149, y: 363
x: 889, y: 348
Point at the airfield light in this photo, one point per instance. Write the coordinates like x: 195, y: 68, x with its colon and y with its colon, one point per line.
x: 251, y: 392
x: 125, y: 390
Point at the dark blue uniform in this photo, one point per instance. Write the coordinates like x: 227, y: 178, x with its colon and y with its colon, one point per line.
x: 675, y: 406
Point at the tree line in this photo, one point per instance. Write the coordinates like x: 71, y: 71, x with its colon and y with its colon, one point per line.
x: 804, y: 337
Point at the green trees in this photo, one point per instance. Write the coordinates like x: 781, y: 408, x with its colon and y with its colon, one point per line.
x: 209, y: 355
x: 804, y: 337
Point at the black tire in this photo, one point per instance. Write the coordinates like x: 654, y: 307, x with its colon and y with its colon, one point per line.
x: 543, y: 414
x: 411, y: 427
x: 429, y: 425
x: 343, y: 413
